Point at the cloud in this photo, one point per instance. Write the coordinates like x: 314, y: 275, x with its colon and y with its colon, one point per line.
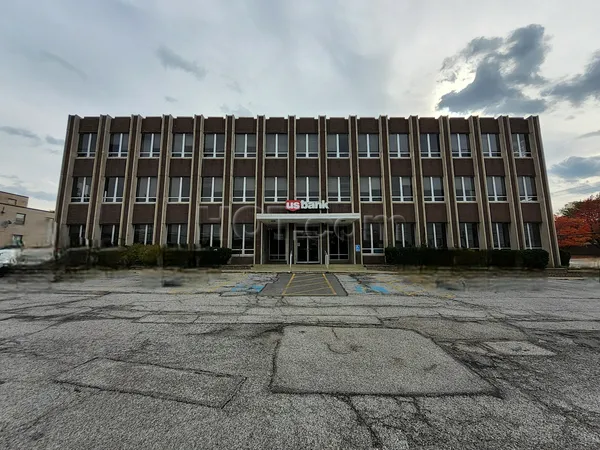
x: 21, y: 132
x: 587, y: 135
x: 51, y: 57
x: 18, y: 186
x: 502, y: 69
x: 54, y: 141
x: 170, y: 99
x: 235, y: 87
x: 581, y: 87
x: 580, y: 189
x: 171, y: 60
x: 240, y: 111
x: 577, y: 167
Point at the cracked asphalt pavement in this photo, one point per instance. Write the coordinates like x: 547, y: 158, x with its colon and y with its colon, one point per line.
x: 151, y: 359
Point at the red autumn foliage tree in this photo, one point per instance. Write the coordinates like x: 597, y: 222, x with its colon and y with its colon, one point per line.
x: 586, y: 211
x: 571, y: 231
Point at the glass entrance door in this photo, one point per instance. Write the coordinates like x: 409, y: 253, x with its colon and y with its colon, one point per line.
x: 338, y: 243
x: 307, y: 245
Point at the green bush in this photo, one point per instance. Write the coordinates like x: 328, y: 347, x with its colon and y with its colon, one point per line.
x: 535, y: 258
x: 565, y: 258
x: 110, y: 257
x: 178, y: 257
x: 425, y: 256
x: 75, y: 257
x: 141, y: 255
x: 212, y: 257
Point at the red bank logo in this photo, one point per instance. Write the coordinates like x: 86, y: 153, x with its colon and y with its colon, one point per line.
x: 292, y: 205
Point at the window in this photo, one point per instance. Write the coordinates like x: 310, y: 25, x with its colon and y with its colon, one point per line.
x: 399, y: 147
x: 146, y: 190
x: 142, y: 234
x: 307, y: 146
x: 496, y: 189
x: 520, y: 144
x: 87, y: 145
x: 77, y: 236
x: 460, y: 145
x: 12, y: 201
x: 468, y: 235
x: 307, y: 188
x: 81, y: 189
x: 212, y: 189
x: 176, y: 234
x: 338, y: 242
x: 245, y: 145
x: 405, y: 234
x: 179, y: 189
x: 113, y: 189
x: 436, y: 235
x: 183, y: 144
x: 500, y: 235
x: 527, y: 191
x: 402, y: 189
x: 150, y: 145
x: 109, y: 235
x: 372, y: 241
x: 368, y: 145
x: 210, y: 235
x: 275, y: 189
x: 370, y: 189
x: 465, y: 189
x: 214, y: 145
x: 490, y: 145
x: 17, y: 239
x: 433, y: 189
x: 430, y: 145
x: 20, y: 219
x: 277, y: 145
x: 243, y: 239
x: 338, y: 189
x: 243, y: 189
x: 337, y: 146
x: 533, y: 239
x: 119, y: 145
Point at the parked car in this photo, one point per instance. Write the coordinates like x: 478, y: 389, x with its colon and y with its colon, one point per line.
x: 9, y: 256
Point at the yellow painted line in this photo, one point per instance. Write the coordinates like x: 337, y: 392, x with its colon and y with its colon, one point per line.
x: 324, y: 288
x: 329, y: 284
x: 288, y: 284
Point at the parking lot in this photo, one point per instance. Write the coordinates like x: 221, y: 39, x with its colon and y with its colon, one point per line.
x: 167, y: 359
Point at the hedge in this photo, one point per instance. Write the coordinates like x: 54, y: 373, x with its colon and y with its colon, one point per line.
x: 425, y: 256
x: 565, y: 258
x: 145, y: 255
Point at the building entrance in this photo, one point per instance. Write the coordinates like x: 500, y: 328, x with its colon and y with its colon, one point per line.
x: 307, y: 242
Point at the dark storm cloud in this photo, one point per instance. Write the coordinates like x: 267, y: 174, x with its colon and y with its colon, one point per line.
x: 587, y: 135
x: 577, y: 167
x: 55, y: 59
x: 581, y: 87
x: 171, y: 60
x: 21, y: 132
x: 502, y: 68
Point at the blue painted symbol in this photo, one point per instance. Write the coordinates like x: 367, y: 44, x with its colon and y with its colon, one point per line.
x: 380, y: 289
x: 358, y: 248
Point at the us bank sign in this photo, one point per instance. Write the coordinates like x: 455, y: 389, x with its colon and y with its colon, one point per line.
x: 299, y: 205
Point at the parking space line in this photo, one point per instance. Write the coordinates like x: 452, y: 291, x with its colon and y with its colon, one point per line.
x: 329, y: 284
x: 288, y: 284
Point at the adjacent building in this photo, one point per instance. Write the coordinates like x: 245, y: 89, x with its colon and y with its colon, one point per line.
x: 24, y: 226
x: 312, y: 190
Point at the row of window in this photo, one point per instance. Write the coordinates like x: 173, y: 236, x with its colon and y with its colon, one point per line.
x: 307, y: 188
x: 372, y: 239
x: 307, y: 145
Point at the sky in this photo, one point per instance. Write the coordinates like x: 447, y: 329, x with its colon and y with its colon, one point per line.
x: 302, y: 58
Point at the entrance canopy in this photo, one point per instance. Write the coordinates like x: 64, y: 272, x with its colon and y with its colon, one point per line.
x: 333, y: 218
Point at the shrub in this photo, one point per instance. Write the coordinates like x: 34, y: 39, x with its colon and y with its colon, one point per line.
x: 178, y: 257
x: 535, y: 258
x: 502, y: 258
x: 75, y: 257
x: 111, y: 257
x: 565, y: 258
x: 141, y: 255
x: 212, y: 257
x: 471, y: 258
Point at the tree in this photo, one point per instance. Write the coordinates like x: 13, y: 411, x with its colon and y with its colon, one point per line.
x: 587, y: 210
x: 572, y: 231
